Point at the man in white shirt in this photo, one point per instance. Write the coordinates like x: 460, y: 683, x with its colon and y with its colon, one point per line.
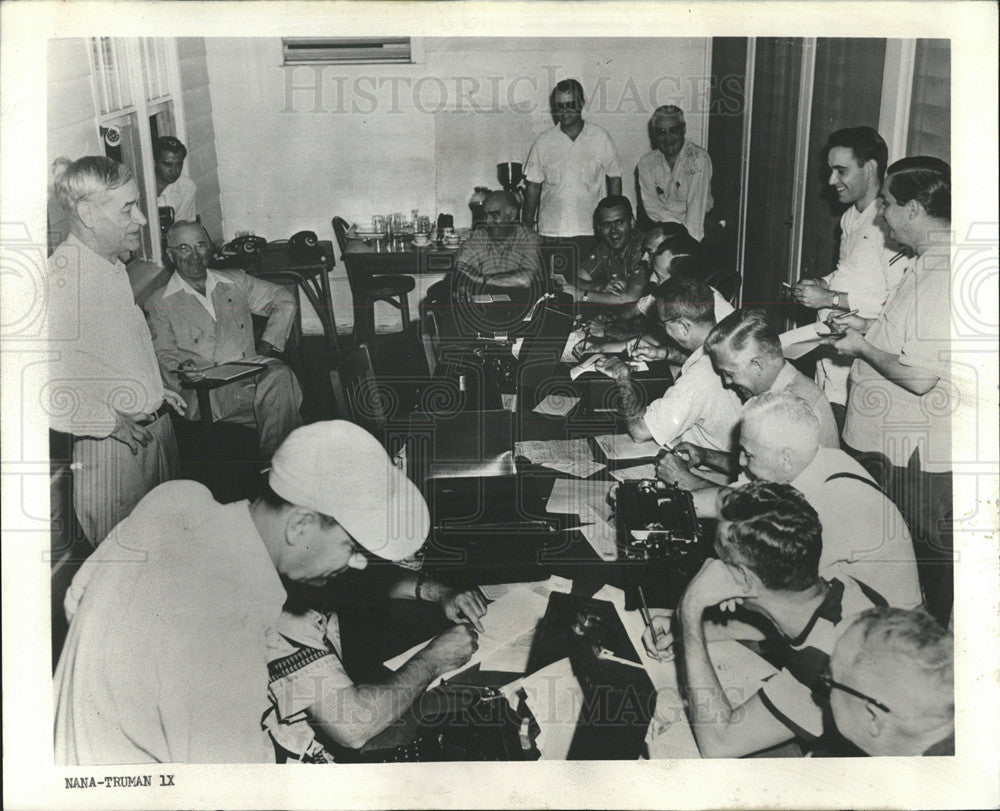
x: 167, y: 655
x: 696, y: 409
x: 104, y: 386
x: 869, y: 267
x: 569, y: 169
x: 203, y: 317
x: 675, y: 179
x: 172, y: 189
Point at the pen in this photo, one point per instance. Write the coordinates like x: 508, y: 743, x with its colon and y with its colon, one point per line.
x: 608, y: 656
x: 635, y: 346
x: 843, y: 315
x: 646, y: 618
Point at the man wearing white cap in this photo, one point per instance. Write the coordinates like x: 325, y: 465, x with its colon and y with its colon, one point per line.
x: 166, y: 657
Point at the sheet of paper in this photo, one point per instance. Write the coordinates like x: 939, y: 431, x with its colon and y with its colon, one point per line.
x: 586, y: 366
x: 601, y: 536
x: 515, y: 613
x: 494, y: 591
x: 541, y: 452
x: 509, y: 402
x: 580, y: 497
x: 647, y: 471
x: 512, y: 657
x: 638, y: 365
x: 622, y: 446
x: 556, y: 405
x: 581, y: 469
x: 798, y: 342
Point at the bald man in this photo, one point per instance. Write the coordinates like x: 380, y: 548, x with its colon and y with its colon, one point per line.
x: 892, y: 684
x: 203, y: 316
x: 504, y: 253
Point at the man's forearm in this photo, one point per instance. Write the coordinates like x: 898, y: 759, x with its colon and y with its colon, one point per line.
x: 710, y: 710
x: 352, y: 716
x: 631, y: 410
x: 914, y: 380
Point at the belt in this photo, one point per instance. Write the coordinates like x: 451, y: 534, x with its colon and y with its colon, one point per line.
x: 149, y: 419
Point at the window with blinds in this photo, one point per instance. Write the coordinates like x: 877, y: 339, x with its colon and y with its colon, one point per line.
x: 109, y: 60
x: 153, y: 51
x: 346, y: 50
x: 930, y: 107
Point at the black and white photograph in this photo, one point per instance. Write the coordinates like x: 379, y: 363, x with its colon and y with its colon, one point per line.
x: 438, y: 405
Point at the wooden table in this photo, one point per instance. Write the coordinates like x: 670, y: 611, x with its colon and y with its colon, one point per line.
x: 378, y: 257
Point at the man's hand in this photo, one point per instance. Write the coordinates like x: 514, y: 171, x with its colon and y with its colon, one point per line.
x: 648, y: 351
x: 838, y: 323
x: 129, y: 432
x: 663, y: 650
x: 851, y: 344
x: 463, y: 606
x: 559, y: 281
x: 614, y: 367
x: 175, y: 401
x: 811, y: 293
x: 452, y: 649
x: 673, y: 470
x: 715, y: 584
x: 571, y: 290
x: 616, y: 287
x: 691, y: 454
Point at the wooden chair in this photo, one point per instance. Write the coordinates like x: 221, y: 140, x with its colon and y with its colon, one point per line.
x: 367, y: 289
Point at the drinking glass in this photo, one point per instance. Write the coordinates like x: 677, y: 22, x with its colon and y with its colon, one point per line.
x: 378, y: 224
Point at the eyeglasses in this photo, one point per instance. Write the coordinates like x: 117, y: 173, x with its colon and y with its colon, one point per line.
x: 565, y: 105
x: 186, y: 250
x: 675, y: 130
x: 825, y: 684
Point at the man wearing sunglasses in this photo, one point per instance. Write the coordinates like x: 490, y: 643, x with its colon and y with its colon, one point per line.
x: 675, y: 178
x: 891, y: 684
x: 569, y: 169
x: 769, y: 542
x: 203, y: 317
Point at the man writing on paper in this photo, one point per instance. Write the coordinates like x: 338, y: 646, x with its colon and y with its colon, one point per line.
x: 203, y: 316
x: 768, y: 544
x: 868, y: 267
x: 696, y: 409
x: 167, y: 654
x: 864, y: 535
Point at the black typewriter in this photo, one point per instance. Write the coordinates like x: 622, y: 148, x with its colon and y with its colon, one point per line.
x: 659, y: 541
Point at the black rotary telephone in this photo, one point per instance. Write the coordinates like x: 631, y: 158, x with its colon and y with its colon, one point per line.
x: 304, y: 246
x: 245, y: 244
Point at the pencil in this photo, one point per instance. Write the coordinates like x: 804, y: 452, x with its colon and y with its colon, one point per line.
x: 646, y: 618
x: 635, y: 346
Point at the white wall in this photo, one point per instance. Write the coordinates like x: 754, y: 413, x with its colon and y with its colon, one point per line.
x: 372, y: 139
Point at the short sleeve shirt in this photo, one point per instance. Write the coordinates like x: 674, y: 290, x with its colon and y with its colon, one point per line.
x: 482, y: 254
x: 680, y: 194
x: 788, y: 695
x: 180, y: 196
x: 915, y: 326
x: 696, y: 409
x: 572, y: 174
x: 605, y: 264
x: 791, y: 380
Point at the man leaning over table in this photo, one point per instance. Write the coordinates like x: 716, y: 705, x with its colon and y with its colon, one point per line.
x: 104, y: 387
x: 675, y: 179
x: 768, y: 543
x: 203, y: 316
x: 569, y: 168
x: 697, y: 408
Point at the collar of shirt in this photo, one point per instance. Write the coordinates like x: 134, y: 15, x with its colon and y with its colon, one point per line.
x: 115, y: 267
x: 830, y: 610
x: 860, y: 219
x: 178, y: 284
x: 784, y: 378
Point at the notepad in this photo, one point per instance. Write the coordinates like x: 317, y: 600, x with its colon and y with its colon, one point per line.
x: 622, y: 446
x: 601, y: 536
x: 798, y: 342
x: 556, y: 405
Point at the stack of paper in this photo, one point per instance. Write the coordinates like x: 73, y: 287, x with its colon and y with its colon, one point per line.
x: 600, y: 534
x: 570, y: 456
x: 556, y: 405
x: 647, y: 471
x: 586, y: 366
x: 586, y: 499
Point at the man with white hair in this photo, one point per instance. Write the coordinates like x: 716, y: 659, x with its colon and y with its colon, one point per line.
x: 892, y: 684
x: 170, y: 622
x: 675, y: 179
x: 864, y: 534
x: 104, y: 387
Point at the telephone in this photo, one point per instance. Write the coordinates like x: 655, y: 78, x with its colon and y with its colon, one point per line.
x: 304, y: 246
x: 245, y: 244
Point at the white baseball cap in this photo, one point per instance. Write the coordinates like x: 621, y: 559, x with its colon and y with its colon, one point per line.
x: 340, y: 470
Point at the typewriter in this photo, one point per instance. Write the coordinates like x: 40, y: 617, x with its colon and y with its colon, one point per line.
x: 658, y: 541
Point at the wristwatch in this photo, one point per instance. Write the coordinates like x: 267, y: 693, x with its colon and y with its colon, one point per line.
x: 836, y: 301
x: 584, y: 296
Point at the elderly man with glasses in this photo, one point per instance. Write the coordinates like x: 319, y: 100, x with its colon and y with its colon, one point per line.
x: 203, y: 317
